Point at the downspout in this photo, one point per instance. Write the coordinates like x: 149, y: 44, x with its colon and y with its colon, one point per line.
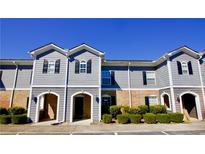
x: 14, y: 85
x: 128, y: 74
x: 202, y: 84
x: 65, y: 90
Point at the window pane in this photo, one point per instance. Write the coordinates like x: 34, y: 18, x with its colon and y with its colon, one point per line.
x: 152, y: 100
x: 106, y: 100
x: 150, y: 75
x: 51, y: 66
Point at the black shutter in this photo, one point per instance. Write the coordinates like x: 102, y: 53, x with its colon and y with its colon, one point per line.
x: 179, y: 65
x: 77, y: 65
x: 45, y: 66
x: 1, y: 72
x: 147, y: 100
x: 112, y: 77
x: 113, y: 100
x: 57, y: 66
x: 144, y: 78
x: 190, y: 67
x: 89, y: 66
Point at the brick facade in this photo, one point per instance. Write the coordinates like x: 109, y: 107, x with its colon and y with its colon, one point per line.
x: 20, y: 98
x: 5, y: 98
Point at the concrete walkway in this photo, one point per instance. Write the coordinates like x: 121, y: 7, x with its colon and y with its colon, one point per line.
x: 105, y: 129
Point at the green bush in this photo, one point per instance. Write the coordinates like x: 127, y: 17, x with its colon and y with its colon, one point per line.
x: 143, y: 109
x: 176, y: 117
x: 114, y: 110
x: 134, y: 110
x: 149, y: 118
x: 19, y: 119
x: 135, y: 118
x: 107, y: 118
x: 3, y: 111
x: 163, y: 118
x: 16, y: 110
x: 124, y: 109
x: 123, y: 118
x: 157, y: 109
x: 5, y: 119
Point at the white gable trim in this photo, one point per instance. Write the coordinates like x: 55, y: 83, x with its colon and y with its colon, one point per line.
x: 186, y: 50
x: 46, y: 48
x: 86, y: 47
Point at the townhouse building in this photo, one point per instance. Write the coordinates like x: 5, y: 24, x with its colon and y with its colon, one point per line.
x: 73, y: 84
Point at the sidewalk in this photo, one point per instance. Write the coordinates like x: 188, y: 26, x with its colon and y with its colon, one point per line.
x: 100, y: 128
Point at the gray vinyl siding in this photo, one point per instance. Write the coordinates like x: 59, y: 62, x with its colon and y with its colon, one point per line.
x: 84, y: 78
x: 37, y: 91
x: 162, y: 75
x: 50, y: 78
x: 185, y: 79
x: 8, y: 75
x: 24, y: 77
x: 121, y: 76
x: 136, y: 77
x: 93, y: 91
x: 179, y: 91
x: 202, y: 62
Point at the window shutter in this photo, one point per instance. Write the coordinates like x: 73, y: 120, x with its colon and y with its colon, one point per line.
x: 144, y: 78
x: 45, y: 66
x: 57, y: 66
x: 1, y: 72
x: 89, y: 66
x: 112, y: 77
x: 190, y: 67
x: 179, y: 67
x: 147, y: 100
x: 77, y: 64
x: 113, y: 100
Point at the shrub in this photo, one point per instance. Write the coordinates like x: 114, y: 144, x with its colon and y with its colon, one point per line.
x: 19, y: 119
x: 16, y: 110
x: 149, y: 118
x: 124, y: 109
x: 135, y: 118
x: 107, y: 118
x: 163, y: 118
x: 143, y: 109
x: 114, y: 110
x: 134, y: 110
x: 176, y: 117
x: 3, y: 111
x: 157, y: 109
x: 123, y: 118
x: 5, y: 119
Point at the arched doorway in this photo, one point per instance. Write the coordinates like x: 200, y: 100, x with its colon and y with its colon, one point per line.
x: 189, y: 103
x: 47, y: 107
x: 165, y: 100
x: 81, y: 106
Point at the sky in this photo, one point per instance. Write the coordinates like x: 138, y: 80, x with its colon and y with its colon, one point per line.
x: 128, y: 39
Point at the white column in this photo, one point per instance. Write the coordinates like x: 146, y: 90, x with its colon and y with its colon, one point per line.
x: 65, y: 90
x: 128, y: 78
x: 171, y: 85
x: 100, y: 102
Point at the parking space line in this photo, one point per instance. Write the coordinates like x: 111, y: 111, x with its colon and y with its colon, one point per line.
x: 115, y: 133
x: 164, y: 133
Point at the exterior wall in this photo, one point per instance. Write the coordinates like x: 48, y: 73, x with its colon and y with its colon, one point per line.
x: 5, y: 96
x: 186, y: 79
x: 7, y: 80
x: 93, y: 91
x: 122, y: 97
x: 87, y: 106
x: 138, y: 96
x: 24, y: 76
x: 202, y: 62
x: 162, y: 75
x: 178, y: 91
x: 20, y: 98
x: 84, y: 78
x: 48, y: 78
x: 38, y: 91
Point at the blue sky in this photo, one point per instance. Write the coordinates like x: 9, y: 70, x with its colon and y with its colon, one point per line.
x: 118, y: 38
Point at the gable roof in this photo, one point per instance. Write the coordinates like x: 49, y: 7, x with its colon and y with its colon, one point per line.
x: 47, y: 47
x: 86, y: 47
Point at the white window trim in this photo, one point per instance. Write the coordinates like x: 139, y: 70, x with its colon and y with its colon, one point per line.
x: 162, y: 100
x: 156, y: 99
x: 82, y: 61
x: 186, y: 66
x: 53, y: 61
x: 155, y: 82
x: 106, y: 78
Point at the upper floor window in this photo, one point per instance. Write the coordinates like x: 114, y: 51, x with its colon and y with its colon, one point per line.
x: 149, y: 78
x: 51, y: 66
x: 184, y: 67
x: 83, y: 66
x: 106, y: 99
x: 106, y: 78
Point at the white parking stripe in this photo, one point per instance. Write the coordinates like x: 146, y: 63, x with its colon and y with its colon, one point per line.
x: 164, y: 133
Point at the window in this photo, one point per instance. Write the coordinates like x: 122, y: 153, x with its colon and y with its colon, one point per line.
x: 106, y: 99
x: 106, y: 78
x: 83, y: 67
x: 184, y: 67
x: 150, y: 77
x: 51, y: 66
x: 151, y: 100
